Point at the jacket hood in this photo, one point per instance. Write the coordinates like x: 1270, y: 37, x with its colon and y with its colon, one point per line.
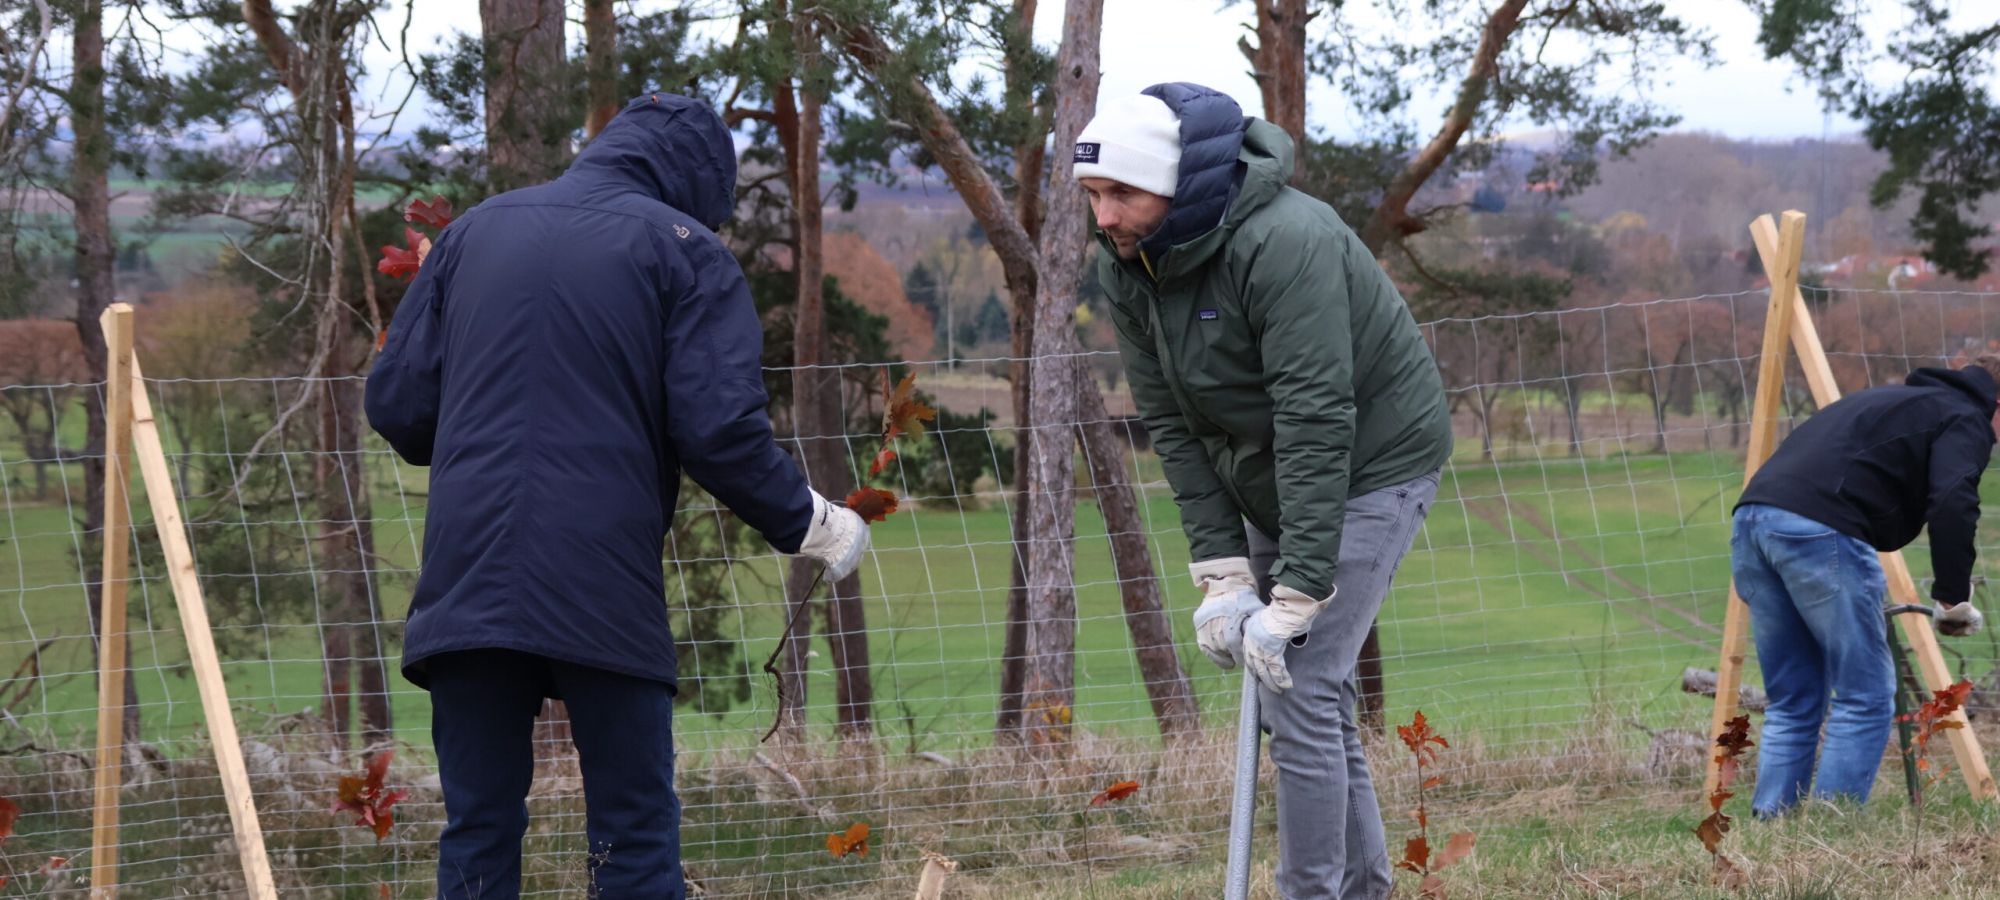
x: 1211, y: 136
x: 1972, y: 381
x: 670, y: 147
x: 1231, y: 165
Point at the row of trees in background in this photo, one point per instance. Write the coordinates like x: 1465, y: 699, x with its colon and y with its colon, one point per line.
x: 831, y: 96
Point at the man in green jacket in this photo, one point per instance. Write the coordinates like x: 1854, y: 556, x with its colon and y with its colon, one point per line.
x: 1300, y: 419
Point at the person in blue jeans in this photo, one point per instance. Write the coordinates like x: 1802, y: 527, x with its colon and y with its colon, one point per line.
x: 566, y: 353
x: 1864, y: 475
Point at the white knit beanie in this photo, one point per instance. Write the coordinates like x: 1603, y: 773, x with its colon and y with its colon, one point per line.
x: 1133, y: 140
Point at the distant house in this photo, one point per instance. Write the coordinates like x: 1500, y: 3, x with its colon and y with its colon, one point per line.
x: 1897, y: 272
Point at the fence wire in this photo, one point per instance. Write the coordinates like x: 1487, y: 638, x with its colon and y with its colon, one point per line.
x: 1575, y: 563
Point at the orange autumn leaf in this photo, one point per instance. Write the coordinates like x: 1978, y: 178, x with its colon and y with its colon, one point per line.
x: 1419, y: 737
x: 871, y: 504
x: 904, y: 413
x: 855, y: 841
x: 9, y: 812
x: 1118, y: 791
x: 1458, y: 847
x: 1711, y: 831
x: 882, y: 461
x: 1416, y: 855
x: 399, y: 262
x: 363, y: 795
x: 435, y: 212
x: 1735, y: 737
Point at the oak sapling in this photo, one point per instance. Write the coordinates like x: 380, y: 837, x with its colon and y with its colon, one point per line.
x: 1417, y: 857
x: 1935, y: 715
x: 365, y: 797
x: 1730, y: 744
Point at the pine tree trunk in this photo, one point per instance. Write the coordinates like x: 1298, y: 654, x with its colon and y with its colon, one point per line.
x: 1020, y: 264
x: 600, y: 35
x: 1030, y: 156
x: 1049, y: 688
x: 1278, y: 62
x: 90, y: 190
x: 1013, y: 645
x: 816, y: 393
x: 349, y: 552
x: 527, y: 117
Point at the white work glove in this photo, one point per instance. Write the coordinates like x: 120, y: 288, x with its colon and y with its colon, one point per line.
x: 836, y: 538
x: 1229, y: 595
x: 1961, y: 620
x: 1267, y: 634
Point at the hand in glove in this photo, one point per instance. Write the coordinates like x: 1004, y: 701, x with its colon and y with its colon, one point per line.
x: 1960, y: 620
x: 1229, y: 595
x: 1267, y: 634
x: 836, y: 538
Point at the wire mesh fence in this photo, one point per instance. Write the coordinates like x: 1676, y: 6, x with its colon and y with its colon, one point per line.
x: 1574, y: 565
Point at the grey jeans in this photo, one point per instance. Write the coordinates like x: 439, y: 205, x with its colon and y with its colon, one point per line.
x: 1330, y: 840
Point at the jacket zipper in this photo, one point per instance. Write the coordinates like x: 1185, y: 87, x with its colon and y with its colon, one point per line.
x: 1160, y: 346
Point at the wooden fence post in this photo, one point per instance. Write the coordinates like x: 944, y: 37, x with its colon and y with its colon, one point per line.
x: 110, y: 775
x: 132, y: 430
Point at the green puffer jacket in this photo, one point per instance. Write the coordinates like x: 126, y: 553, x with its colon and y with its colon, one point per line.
x: 1274, y: 364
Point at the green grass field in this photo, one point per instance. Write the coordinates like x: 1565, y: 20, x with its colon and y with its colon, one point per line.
x: 1481, y: 629
x: 1494, y: 625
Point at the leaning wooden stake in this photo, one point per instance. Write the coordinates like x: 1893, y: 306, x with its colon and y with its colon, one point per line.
x: 1917, y: 627
x: 117, y: 323
x: 152, y: 459
x: 1783, y: 267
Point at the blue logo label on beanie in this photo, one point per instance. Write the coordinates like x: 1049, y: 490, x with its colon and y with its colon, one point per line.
x: 1086, y: 152
x: 1209, y: 315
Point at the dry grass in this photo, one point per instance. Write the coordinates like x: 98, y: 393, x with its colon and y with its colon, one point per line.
x: 1597, y: 819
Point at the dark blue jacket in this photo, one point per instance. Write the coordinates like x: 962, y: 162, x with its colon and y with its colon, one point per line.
x: 1880, y: 464
x: 566, y: 351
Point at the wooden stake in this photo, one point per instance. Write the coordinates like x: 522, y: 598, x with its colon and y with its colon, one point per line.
x: 937, y: 868
x: 110, y: 776
x: 1917, y: 627
x: 1784, y: 272
x: 202, y: 657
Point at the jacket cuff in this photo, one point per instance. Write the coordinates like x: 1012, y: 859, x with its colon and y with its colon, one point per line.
x: 1218, y: 569
x: 1282, y: 572
x: 1287, y: 592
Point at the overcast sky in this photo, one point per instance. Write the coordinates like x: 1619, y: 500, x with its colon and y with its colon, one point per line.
x: 1147, y: 41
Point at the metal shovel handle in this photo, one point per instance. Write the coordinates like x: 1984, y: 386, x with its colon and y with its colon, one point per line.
x: 1243, y: 802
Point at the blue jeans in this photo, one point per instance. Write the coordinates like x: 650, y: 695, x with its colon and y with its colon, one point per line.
x: 483, y: 707
x: 1815, y: 598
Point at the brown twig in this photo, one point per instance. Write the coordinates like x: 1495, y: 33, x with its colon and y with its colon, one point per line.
x: 771, y: 663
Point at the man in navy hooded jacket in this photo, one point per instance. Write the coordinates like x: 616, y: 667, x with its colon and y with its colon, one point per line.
x: 1864, y: 475
x: 564, y: 354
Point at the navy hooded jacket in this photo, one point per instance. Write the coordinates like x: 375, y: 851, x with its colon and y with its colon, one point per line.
x: 565, y: 352
x: 1880, y: 464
